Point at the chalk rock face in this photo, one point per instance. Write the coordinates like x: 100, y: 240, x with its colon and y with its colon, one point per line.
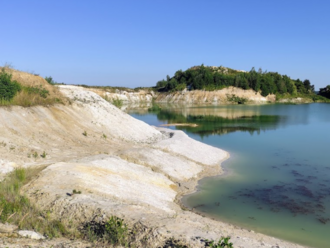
x: 180, y: 143
x: 30, y: 234
x: 167, y: 163
x: 109, y: 177
x: 214, y: 97
x: 6, y: 166
x: 93, y: 108
x: 131, y: 97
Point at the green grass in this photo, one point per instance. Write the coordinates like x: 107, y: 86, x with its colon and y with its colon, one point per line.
x: 117, y: 102
x: 222, y: 243
x: 17, y: 209
x: 115, y: 232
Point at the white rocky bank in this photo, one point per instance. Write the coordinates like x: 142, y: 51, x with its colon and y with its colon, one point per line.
x: 122, y: 167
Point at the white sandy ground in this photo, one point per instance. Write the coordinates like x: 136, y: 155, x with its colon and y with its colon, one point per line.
x: 123, y: 167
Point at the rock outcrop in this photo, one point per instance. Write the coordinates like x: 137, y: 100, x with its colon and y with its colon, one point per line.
x: 223, y: 96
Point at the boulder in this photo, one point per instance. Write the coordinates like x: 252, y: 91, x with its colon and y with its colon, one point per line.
x: 30, y: 234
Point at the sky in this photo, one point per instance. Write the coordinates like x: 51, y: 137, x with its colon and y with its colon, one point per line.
x: 136, y: 43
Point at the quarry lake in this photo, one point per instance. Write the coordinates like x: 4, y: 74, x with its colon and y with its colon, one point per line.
x: 277, y: 180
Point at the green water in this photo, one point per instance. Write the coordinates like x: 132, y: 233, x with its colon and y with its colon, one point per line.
x: 277, y: 180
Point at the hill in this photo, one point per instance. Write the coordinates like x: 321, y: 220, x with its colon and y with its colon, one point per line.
x: 215, y: 78
x: 25, y: 89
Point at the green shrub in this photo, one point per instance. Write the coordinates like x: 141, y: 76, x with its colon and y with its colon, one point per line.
x: 222, y: 243
x: 50, y: 80
x: 236, y: 99
x: 35, y: 154
x: 8, y: 88
x: 114, y: 232
x: 74, y: 192
x: 117, y: 102
x: 43, y: 155
x: 31, y: 90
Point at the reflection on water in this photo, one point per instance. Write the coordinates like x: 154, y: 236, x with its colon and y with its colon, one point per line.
x: 212, y: 120
x: 210, y: 124
x: 278, y: 181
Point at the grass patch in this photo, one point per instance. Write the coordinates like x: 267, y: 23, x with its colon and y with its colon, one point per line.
x: 17, y: 209
x: 32, y: 96
x: 24, y: 89
x: 43, y: 155
x: 222, y: 243
x: 114, y: 232
x: 115, y: 101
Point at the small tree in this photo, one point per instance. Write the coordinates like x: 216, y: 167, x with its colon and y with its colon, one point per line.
x: 50, y: 80
x: 8, y: 88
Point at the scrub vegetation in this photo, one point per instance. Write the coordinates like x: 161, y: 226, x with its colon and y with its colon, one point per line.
x: 31, y: 90
x: 215, y: 78
x: 17, y: 209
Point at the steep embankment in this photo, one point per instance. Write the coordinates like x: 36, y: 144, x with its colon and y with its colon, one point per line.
x: 140, y: 96
x: 223, y: 96
x: 122, y: 167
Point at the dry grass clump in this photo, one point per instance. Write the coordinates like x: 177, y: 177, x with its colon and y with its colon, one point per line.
x: 27, y: 99
x: 17, y: 209
x: 35, y: 90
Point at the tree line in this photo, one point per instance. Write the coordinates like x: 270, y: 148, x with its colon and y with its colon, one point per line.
x: 325, y: 91
x: 214, y: 78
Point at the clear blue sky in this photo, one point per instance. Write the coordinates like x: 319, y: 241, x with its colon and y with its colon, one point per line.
x: 138, y: 42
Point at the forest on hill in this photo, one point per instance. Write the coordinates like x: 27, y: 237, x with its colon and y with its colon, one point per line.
x: 215, y: 78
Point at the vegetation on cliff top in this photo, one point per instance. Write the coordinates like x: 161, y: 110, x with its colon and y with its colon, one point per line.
x: 214, y: 78
x: 24, y: 89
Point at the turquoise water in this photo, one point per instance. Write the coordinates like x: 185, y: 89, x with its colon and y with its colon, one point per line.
x: 277, y: 180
